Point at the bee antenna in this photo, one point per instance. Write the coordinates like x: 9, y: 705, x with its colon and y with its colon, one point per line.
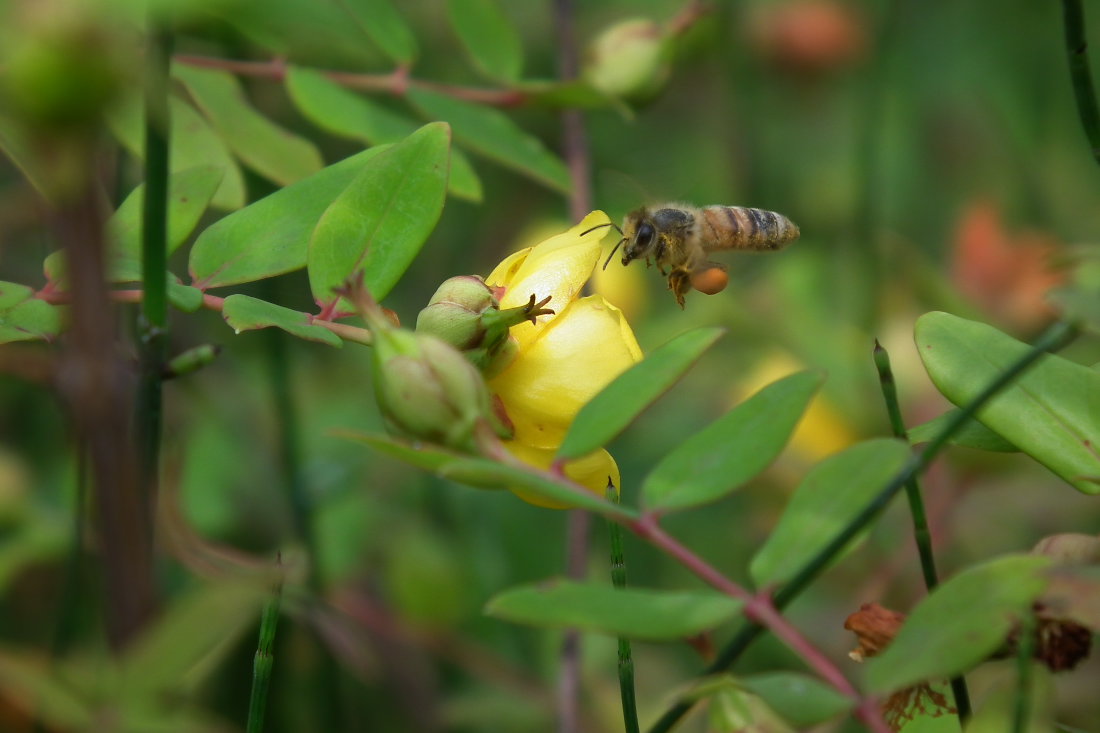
x: 601, y: 226
x: 613, y: 251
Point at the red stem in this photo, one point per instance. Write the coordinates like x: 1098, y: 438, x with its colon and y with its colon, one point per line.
x: 762, y: 610
x: 396, y: 83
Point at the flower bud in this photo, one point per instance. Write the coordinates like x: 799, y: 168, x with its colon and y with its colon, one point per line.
x: 629, y: 60
x: 454, y: 313
x: 427, y: 390
x: 1069, y: 548
x: 465, y: 314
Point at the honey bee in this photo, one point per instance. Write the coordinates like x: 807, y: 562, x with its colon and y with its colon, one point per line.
x: 679, y: 238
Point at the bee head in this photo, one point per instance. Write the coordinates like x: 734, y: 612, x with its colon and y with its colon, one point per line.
x: 640, y: 235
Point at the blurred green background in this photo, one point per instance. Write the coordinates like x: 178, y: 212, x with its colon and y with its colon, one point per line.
x: 931, y: 154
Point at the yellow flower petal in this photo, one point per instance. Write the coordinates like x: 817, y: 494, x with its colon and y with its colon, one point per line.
x: 591, y: 471
x: 558, y: 268
x: 506, y: 270
x: 574, y: 357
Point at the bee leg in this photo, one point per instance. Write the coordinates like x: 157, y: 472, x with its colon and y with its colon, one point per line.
x: 679, y: 282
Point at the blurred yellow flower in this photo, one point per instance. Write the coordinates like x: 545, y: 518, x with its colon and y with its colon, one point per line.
x: 562, y: 360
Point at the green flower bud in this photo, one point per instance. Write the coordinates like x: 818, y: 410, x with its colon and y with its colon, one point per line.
x: 630, y: 60
x: 465, y: 314
x: 454, y: 313
x: 62, y: 72
x: 428, y: 391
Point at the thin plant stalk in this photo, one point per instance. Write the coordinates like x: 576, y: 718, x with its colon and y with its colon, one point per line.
x: 263, y: 662
x: 1073, y: 16
x: 1054, y: 336
x: 576, y: 153
x: 626, y: 659
x: 153, y: 319
x: 921, y: 533
x: 1021, y: 714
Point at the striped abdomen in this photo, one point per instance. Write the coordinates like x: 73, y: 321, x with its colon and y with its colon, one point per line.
x: 739, y: 227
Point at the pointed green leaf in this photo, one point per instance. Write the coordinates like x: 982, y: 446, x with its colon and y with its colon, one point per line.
x: 972, y: 435
x: 271, y: 236
x: 12, y: 294
x: 488, y: 37
x: 801, y: 700
x: 30, y: 320
x: 619, y: 403
x: 267, y: 148
x: 629, y: 612
x: 1049, y: 412
x: 826, y: 501
x: 15, y: 145
x: 486, y: 474
x: 189, y: 193
x: 380, y: 20
x: 960, y: 623
x: 203, y: 623
x: 493, y: 134
x: 732, y: 449
x: 347, y: 114
x: 423, y: 455
x: 192, y: 144
x: 244, y: 313
x: 381, y: 220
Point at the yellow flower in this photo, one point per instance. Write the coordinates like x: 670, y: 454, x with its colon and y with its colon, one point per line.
x: 562, y: 360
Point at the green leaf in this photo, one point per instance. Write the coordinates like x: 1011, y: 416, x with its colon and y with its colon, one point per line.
x: 802, y: 700
x: 619, y: 403
x: 972, y: 434
x: 15, y: 144
x: 29, y: 679
x: 271, y: 236
x: 826, y: 501
x: 488, y: 37
x: 12, y: 294
x: 381, y: 220
x: 203, y: 623
x: 486, y: 474
x: 574, y: 93
x: 732, y: 449
x: 270, y: 150
x: 629, y: 612
x: 245, y: 313
x: 960, y: 623
x: 189, y: 193
x: 30, y: 320
x: 1049, y: 412
x: 494, y: 135
x: 184, y: 297
x: 385, y: 26
x: 423, y: 455
x: 347, y: 114
x: 192, y: 143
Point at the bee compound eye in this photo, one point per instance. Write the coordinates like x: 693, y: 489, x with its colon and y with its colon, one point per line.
x: 645, y: 235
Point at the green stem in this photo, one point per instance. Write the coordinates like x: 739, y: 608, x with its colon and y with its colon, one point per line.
x: 626, y: 660
x: 262, y: 663
x: 1050, y: 338
x: 153, y: 322
x: 921, y: 533
x: 1073, y: 16
x: 1024, y: 667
